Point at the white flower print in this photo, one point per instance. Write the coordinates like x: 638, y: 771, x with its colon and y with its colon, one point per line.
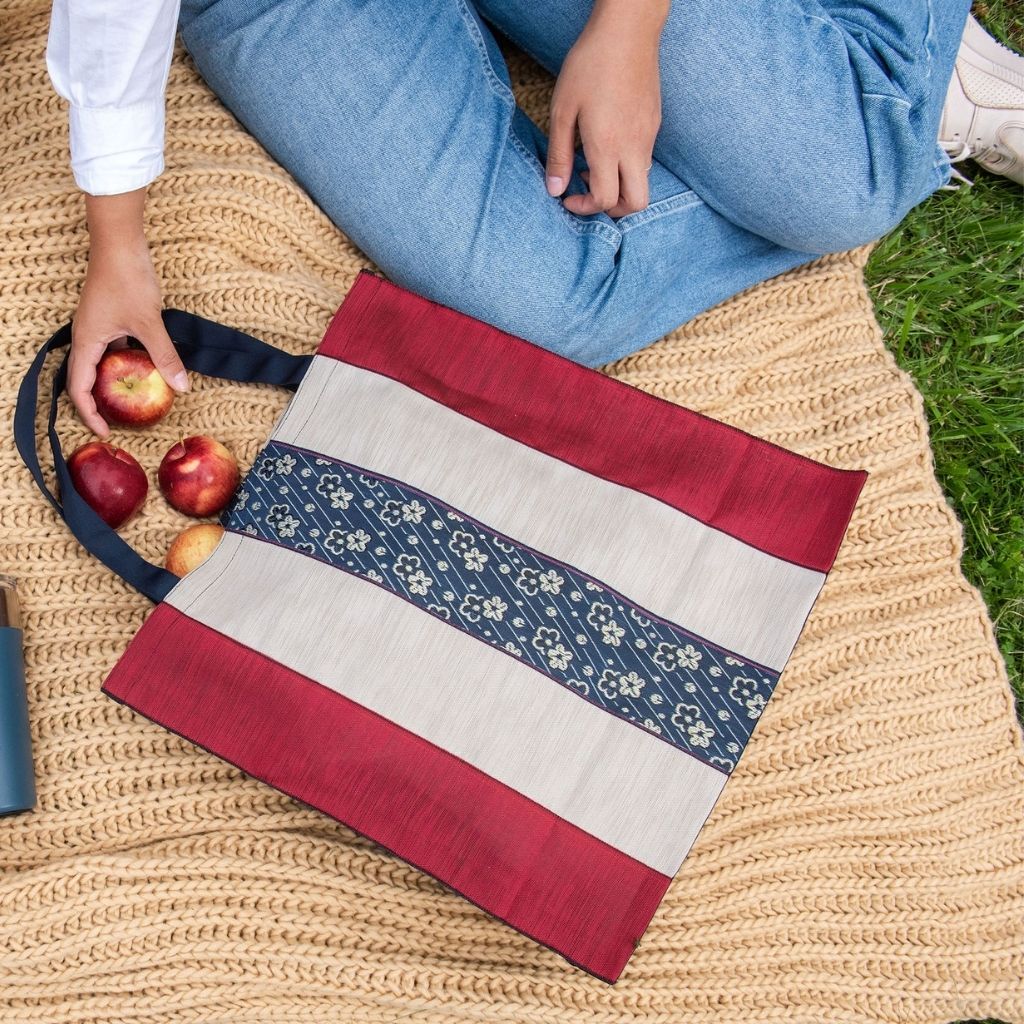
x: 380, y: 550
x: 550, y: 582
x: 413, y: 511
x: 615, y: 684
x: 559, y: 656
x: 687, y: 718
x: 579, y: 684
x: 724, y: 715
x: 715, y: 671
x: 518, y: 621
x: 265, y: 468
x: 240, y: 499
x: 593, y: 586
x: 250, y: 529
x: 551, y: 612
x: 733, y: 661
x: 548, y: 642
x: 335, y: 541
x: 527, y: 580
x: 370, y: 481
x: 612, y: 633
x: 504, y: 567
x: 513, y: 648
x: 460, y: 542
x: 455, y: 516
x: 281, y: 521
x: 495, y: 608
x: 331, y: 487
x: 472, y: 607
x: 581, y: 638
x: 436, y: 524
x: 391, y: 512
x: 448, y: 595
x: 322, y: 462
x: 419, y: 582
x: 750, y: 693
x: 655, y: 699
x: 406, y: 565
x: 357, y: 540
x: 640, y: 643
x: 576, y: 595
x: 723, y: 762
x: 670, y: 656
x: 309, y: 507
x: 641, y: 619
x: 306, y: 547
x: 442, y: 565
x: 474, y: 559
x: 545, y: 638
x: 305, y: 471
x: 285, y: 464
x: 439, y: 609
x: 649, y: 723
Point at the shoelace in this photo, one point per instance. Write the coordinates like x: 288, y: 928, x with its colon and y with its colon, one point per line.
x: 956, y: 156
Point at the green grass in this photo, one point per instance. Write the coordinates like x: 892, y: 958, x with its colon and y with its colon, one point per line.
x: 948, y: 287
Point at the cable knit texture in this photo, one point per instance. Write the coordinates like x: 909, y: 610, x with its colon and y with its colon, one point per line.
x: 864, y: 864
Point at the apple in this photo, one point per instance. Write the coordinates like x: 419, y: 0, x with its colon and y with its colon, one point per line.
x: 192, y: 547
x: 110, y: 480
x: 129, y: 390
x: 198, y: 475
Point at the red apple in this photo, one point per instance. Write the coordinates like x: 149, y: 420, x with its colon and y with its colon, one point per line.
x: 110, y: 480
x: 129, y: 390
x: 192, y: 547
x: 198, y: 476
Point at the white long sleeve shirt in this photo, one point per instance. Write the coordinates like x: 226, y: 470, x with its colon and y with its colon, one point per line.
x: 110, y: 60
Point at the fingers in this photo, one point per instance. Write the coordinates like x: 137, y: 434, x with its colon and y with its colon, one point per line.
x: 158, y: 344
x: 603, y: 184
x: 633, y: 194
x: 81, y: 377
x: 633, y: 191
x: 561, y: 148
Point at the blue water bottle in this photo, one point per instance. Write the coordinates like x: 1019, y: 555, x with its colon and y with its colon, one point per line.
x: 17, y: 776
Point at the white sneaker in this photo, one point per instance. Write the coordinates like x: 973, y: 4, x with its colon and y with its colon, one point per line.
x: 984, y: 113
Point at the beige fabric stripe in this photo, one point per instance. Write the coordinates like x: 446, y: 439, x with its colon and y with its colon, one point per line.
x: 609, y: 777
x: 726, y: 591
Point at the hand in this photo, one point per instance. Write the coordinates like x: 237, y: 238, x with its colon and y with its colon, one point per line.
x: 610, y: 88
x: 120, y: 297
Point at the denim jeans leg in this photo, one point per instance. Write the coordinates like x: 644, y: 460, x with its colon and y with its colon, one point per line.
x: 399, y: 122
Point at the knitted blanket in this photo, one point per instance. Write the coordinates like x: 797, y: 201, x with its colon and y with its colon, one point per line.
x: 864, y: 864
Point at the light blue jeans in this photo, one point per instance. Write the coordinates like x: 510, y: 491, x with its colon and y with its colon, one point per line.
x: 790, y: 128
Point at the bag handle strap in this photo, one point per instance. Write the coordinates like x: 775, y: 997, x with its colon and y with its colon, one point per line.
x: 203, y: 345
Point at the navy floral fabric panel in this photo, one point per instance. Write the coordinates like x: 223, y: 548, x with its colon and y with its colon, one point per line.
x: 550, y: 615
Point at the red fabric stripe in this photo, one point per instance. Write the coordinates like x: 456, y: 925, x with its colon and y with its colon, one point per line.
x: 778, y: 501
x: 508, y: 855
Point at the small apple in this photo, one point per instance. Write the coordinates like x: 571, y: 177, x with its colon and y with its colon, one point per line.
x: 192, y: 547
x: 198, y: 476
x: 129, y: 390
x: 110, y: 480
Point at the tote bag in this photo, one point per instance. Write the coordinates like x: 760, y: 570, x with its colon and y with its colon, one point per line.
x: 507, y: 616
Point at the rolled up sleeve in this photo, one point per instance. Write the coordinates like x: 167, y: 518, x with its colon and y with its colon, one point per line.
x: 110, y: 60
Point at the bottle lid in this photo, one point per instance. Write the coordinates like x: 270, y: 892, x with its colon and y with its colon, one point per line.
x: 10, y: 611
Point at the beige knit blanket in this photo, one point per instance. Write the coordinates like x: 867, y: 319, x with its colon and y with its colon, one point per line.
x: 865, y: 863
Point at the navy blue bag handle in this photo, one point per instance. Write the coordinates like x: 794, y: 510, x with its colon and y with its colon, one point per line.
x: 203, y: 345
